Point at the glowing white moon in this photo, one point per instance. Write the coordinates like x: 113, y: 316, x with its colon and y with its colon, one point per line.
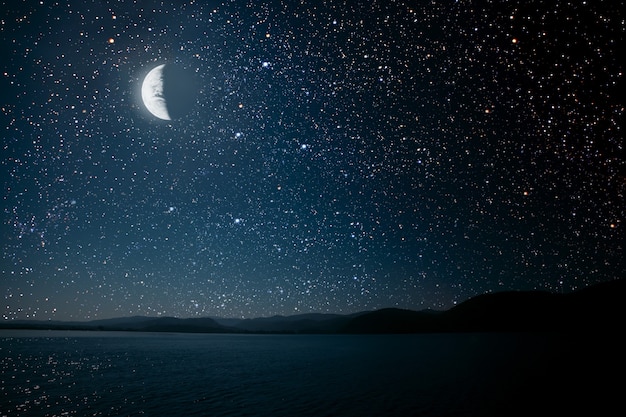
x: 152, y: 93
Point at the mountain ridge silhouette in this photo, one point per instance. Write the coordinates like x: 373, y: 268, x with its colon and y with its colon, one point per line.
x: 597, y: 307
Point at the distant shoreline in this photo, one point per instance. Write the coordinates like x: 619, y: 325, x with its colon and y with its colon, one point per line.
x: 595, y: 308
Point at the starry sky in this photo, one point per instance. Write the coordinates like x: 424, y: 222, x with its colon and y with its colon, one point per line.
x: 339, y: 157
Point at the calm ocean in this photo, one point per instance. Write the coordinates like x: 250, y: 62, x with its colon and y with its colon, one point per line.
x: 56, y: 373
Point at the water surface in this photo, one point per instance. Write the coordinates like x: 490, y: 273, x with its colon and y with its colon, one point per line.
x: 55, y: 373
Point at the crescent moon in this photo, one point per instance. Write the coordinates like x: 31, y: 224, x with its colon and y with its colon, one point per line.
x: 152, y: 93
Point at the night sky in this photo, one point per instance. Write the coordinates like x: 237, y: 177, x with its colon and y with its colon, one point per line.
x: 339, y: 158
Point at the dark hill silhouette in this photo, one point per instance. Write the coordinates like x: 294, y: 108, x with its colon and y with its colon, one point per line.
x: 301, y: 323
x: 172, y: 324
x: 128, y: 322
x: 136, y: 323
x: 505, y: 311
x: 596, y: 308
x: 394, y: 320
x: 593, y: 308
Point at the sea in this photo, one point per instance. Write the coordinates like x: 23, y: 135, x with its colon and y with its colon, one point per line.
x: 98, y: 373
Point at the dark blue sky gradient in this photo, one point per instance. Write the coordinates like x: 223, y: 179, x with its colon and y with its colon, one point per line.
x: 340, y: 157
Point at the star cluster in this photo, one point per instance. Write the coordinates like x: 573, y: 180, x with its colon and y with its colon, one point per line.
x: 341, y: 157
